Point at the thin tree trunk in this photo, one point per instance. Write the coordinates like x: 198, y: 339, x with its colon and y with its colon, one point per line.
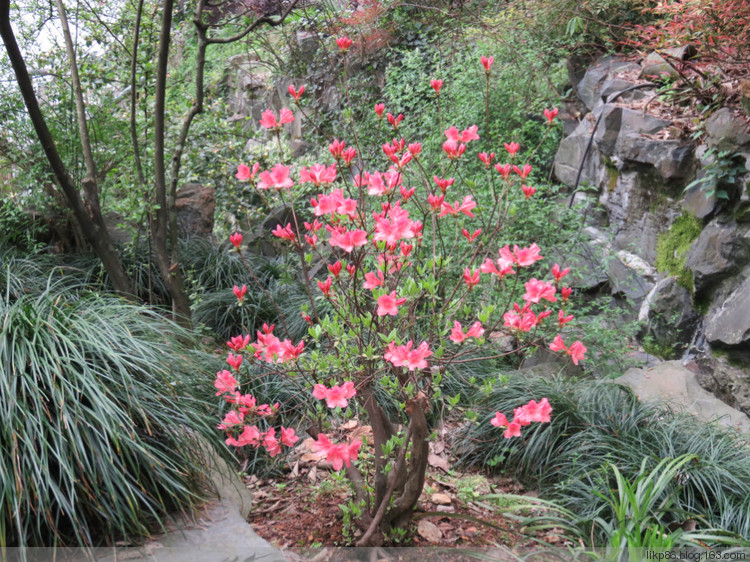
x: 87, y: 213
x: 167, y: 261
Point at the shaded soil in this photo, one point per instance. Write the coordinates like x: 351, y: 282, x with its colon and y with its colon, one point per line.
x: 295, y: 512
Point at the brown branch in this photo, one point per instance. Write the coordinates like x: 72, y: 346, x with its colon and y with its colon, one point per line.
x: 269, y: 20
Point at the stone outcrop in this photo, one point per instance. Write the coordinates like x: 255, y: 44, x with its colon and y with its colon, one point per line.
x: 646, y: 175
x: 195, y: 206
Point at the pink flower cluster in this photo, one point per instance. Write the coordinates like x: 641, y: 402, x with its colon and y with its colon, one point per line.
x: 532, y: 412
x: 336, y: 396
x: 405, y: 356
x: 271, y: 349
x: 240, y: 433
x: 338, y: 455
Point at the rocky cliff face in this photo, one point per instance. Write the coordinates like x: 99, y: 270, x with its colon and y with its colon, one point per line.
x: 675, y: 237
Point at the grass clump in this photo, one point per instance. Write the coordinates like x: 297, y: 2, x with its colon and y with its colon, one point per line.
x: 599, y: 425
x: 101, y: 413
x: 672, y: 247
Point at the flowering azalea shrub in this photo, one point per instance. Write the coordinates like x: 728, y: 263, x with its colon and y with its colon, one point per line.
x: 407, y: 264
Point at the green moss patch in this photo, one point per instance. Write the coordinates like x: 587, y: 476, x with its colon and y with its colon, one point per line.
x: 672, y: 247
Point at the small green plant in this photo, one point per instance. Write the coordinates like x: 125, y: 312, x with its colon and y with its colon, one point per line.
x: 672, y: 247
x: 724, y: 169
x: 638, y: 505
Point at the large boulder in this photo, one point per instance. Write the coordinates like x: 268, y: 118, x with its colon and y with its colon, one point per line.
x: 195, y: 206
x: 728, y: 321
x: 678, y: 386
x: 728, y: 381
x: 589, y: 89
x: 668, y: 314
x: 721, y: 250
x: 727, y: 130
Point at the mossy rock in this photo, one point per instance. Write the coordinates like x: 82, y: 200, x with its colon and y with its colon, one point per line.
x: 672, y: 247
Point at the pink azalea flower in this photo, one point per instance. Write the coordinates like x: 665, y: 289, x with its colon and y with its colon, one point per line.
x: 469, y: 134
x: 348, y: 155
x: 471, y: 278
x: 521, y: 256
x: 537, y: 290
x: 458, y: 336
x: 388, y: 304
x: 562, y: 319
x: 395, y: 226
x: 237, y: 343
x: 523, y: 172
x: 487, y: 158
x: 576, y: 349
x: 344, y: 43
x: 225, y: 382
x: 487, y: 63
x: 395, y: 121
x: 239, y: 292
x: 318, y: 174
x: 373, y: 279
x: 337, y: 148
x: 565, y: 293
x: 379, y: 109
x: 336, y: 396
x: 465, y: 207
x: 236, y: 240
x: 272, y: 445
x: 576, y: 352
x: 278, y: 177
x: 453, y: 149
x: 325, y: 286
x: 249, y: 436
x: 231, y: 419
x: 405, y: 356
x: 288, y: 437
x: 234, y: 361
x: 504, y: 170
x: 436, y: 85
x: 550, y: 114
x: 338, y: 455
x: 296, y: 94
x: 558, y: 274
x: 435, y: 201
x: 347, y: 240
x: 244, y: 173
x: 512, y: 148
x: 528, y: 190
x: 268, y: 119
x: 501, y: 268
x: 335, y: 268
x: 285, y: 233
x: 471, y: 237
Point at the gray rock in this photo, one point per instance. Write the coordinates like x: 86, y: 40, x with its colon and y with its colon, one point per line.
x: 195, y: 206
x: 308, y: 44
x: 614, y: 86
x: 676, y: 385
x: 726, y: 130
x: 617, y: 121
x: 728, y: 320
x: 589, y: 88
x: 671, y: 158
x: 669, y: 314
x: 570, y: 154
x: 731, y: 383
x: 699, y: 202
x: 654, y: 65
x: 720, y: 250
x: 627, y: 281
